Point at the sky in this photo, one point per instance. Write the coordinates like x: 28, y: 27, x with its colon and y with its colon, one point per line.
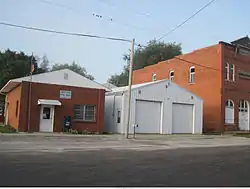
x: 223, y: 20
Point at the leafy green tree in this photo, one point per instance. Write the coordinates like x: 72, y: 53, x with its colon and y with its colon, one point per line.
x: 74, y: 67
x: 14, y: 65
x: 153, y: 53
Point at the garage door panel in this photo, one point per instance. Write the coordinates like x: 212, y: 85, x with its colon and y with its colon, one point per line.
x: 148, y: 116
x: 182, y: 118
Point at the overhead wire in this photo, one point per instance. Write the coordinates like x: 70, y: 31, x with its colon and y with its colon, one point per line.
x: 63, y: 33
x: 99, y: 16
x: 186, y: 20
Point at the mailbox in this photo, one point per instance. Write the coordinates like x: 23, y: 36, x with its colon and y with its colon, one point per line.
x: 67, y: 123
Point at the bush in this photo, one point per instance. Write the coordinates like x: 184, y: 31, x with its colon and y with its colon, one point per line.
x: 7, y: 129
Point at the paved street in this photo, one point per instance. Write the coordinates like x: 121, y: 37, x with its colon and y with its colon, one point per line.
x: 149, y: 160
x: 223, y: 166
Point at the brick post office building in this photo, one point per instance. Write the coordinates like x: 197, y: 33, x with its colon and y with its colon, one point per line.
x: 220, y: 74
x: 53, y: 96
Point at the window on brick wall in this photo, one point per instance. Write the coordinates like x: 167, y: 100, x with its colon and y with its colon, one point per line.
x: 171, y: 75
x: 192, y: 74
x: 232, y: 72
x: 84, y: 112
x: 229, y: 112
x: 226, y: 71
x: 154, y: 77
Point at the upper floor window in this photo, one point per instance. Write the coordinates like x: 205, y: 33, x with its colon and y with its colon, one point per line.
x: 171, y: 75
x: 226, y: 71
x: 192, y: 74
x: 232, y: 72
x: 154, y: 77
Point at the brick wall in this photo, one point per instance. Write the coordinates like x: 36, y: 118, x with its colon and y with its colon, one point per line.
x: 240, y: 88
x: 79, y: 96
x: 13, y: 98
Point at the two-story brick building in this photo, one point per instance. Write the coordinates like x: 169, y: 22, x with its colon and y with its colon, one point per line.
x: 220, y: 74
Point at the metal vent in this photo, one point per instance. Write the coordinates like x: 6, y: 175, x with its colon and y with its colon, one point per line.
x: 66, y: 76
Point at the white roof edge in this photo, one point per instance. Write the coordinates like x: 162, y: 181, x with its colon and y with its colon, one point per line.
x: 148, y: 84
x: 2, y: 89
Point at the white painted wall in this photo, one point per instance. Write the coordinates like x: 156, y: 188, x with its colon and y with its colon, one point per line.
x: 113, y: 103
x: 157, y: 92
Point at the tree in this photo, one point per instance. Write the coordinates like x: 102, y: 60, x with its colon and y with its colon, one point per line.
x: 74, y: 67
x: 153, y: 53
x: 14, y: 65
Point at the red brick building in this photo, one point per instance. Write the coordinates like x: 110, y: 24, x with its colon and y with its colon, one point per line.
x: 53, y: 96
x: 220, y: 74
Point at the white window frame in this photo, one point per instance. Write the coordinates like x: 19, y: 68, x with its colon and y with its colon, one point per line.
x: 243, y: 106
x: 191, y: 75
x: 83, y: 112
x: 232, y: 69
x: 171, y: 78
x: 227, y: 71
x: 154, y: 77
x: 229, y: 104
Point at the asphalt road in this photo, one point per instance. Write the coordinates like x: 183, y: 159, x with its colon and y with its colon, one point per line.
x: 228, y: 166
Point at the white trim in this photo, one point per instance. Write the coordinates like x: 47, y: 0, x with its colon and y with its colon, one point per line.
x: 232, y: 68
x: 227, y: 70
x: 229, y: 108
x: 49, y: 102
x: 154, y: 78
x: 191, y: 75
x: 171, y: 78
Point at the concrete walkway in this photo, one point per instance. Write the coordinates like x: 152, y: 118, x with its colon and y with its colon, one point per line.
x: 55, y: 142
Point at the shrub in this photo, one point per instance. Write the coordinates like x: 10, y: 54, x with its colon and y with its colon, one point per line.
x: 7, y: 129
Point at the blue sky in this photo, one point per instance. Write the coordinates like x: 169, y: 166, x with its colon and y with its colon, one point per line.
x: 224, y: 20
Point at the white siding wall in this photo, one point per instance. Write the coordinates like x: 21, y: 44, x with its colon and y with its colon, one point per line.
x: 112, y: 105
x: 158, y: 92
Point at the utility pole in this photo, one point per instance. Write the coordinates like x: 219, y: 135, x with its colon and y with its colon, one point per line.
x: 29, y: 107
x: 129, y: 86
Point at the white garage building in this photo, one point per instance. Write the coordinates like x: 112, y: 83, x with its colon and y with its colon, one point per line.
x: 160, y: 107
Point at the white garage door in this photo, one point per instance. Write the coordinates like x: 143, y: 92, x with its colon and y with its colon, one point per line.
x: 148, y: 116
x: 182, y: 118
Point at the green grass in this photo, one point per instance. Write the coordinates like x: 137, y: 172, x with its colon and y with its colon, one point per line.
x: 247, y: 135
x: 7, y: 129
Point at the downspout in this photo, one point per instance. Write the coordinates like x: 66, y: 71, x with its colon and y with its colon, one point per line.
x: 113, y: 108
x: 98, y: 119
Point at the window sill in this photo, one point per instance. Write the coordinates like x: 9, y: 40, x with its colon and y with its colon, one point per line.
x: 231, y: 81
x: 229, y: 124
x: 83, y: 121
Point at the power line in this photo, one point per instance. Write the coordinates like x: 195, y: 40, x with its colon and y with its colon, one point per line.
x: 99, y: 16
x: 197, y: 64
x: 114, y: 6
x: 63, y: 33
x: 189, y: 18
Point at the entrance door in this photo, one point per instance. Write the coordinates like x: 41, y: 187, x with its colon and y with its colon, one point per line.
x: 46, y: 118
x: 243, y: 115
